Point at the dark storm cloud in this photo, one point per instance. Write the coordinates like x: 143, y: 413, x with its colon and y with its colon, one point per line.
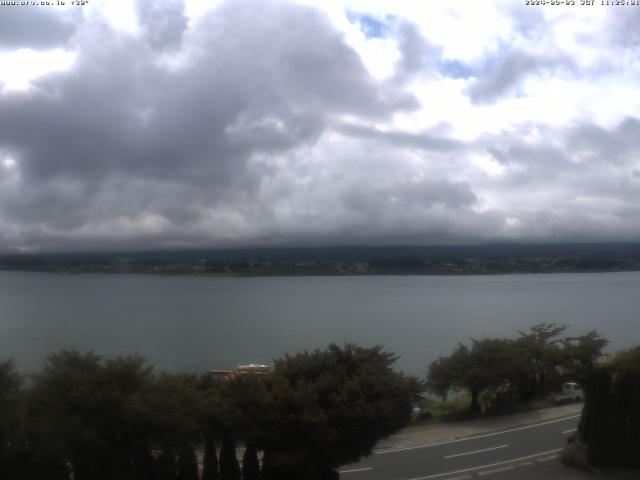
x: 35, y: 27
x: 122, y: 140
x: 258, y: 123
x: 508, y: 72
x: 617, y: 146
x: 422, y: 194
x: 164, y: 21
x: 576, y: 172
x: 428, y: 140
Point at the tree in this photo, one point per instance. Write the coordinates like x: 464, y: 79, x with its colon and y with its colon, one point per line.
x: 609, y: 429
x: 210, y: 459
x: 90, y: 412
x: 175, y: 408
x: 229, y: 468
x: 318, y: 410
x: 166, y: 468
x: 187, y: 464
x: 539, y: 355
x: 11, y: 404
x: 487, y: 364
x: 581, y: 355
x: 250, y: 464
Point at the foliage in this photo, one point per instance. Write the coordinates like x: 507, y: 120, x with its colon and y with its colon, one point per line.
x: 525, y: 368
x: 115, y: 419
x: 487, y: 364
x: 187, y: 464
x: 90, y: 412
x: 166, y: 468
x: 250, y: 463
x: 538, y: 355
x: 326, y: 408
x: 582, y: 354
x: 11, y: 383
x: 229, y: 467
x: 610, y: 424
x: 176, y: 408
x: 210, y: 459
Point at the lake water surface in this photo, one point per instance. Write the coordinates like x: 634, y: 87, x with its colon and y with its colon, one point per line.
x: 194, y: 323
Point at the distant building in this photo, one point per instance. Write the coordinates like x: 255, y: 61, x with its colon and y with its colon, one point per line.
x: 256, y: 369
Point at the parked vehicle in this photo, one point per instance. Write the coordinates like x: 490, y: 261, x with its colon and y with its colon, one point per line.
x: 571, y: 392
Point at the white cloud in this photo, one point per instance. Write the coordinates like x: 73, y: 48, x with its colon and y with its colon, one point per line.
x: 18, y: 68
x: 9, y: 163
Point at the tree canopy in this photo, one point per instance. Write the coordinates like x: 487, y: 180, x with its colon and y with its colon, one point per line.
x: 325, y: 408
x: 486, y: 364
x: 116, y: 419
x: 528, y: 366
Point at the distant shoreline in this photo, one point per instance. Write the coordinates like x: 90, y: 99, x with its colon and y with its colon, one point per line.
x: 343, y: 261
x: 312, y: 274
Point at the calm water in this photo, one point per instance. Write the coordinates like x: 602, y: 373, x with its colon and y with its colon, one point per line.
x: 193, y: 323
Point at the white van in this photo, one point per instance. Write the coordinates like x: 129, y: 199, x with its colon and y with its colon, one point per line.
x: 571, y: 392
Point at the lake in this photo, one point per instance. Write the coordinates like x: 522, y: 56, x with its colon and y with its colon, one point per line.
x: 194, y: 323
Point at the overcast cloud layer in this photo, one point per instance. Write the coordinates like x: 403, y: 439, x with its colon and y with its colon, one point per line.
x: 164, y: 124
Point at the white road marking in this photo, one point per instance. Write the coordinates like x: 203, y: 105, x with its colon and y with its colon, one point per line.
x: 477, y: 451
x: 353, y: 470
x: 516, y: 429
x: 570, y: 430
x: 496, y: 470
x: 547, y: 459
x: 480, y: 467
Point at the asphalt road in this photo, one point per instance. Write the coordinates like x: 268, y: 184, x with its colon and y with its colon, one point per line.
x: 477, y: 455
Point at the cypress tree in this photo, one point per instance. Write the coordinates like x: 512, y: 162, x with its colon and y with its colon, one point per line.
x: 632, y: 444
x: 610, y: 424
x: 166, y: 465
x: 268, y: 472
x: 210, y: 460
x: 250, y: 464
x: 187, y: 464
x: 600, y: 420
x: 618, y: 419
x: 229, y: 468
x: 145, y: 466
x: 329, y: 474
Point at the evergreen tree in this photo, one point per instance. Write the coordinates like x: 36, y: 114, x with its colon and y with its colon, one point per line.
x: 229, y: 468
x: 210, y: 460
x: 610, y: 424
x: 166, y: 468
x: 187, y: 464
x: 11, y: 404
x: 250, y: 464
x: 145, y: 466
x: 322, y: 409
x: 268, y: 472
x: 91, y: 412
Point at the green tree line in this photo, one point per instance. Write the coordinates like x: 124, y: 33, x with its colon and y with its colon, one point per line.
x: 517, y: 370
x: 87, y: 417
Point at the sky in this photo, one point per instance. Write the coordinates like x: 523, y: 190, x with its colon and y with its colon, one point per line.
x: 154, y: 124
